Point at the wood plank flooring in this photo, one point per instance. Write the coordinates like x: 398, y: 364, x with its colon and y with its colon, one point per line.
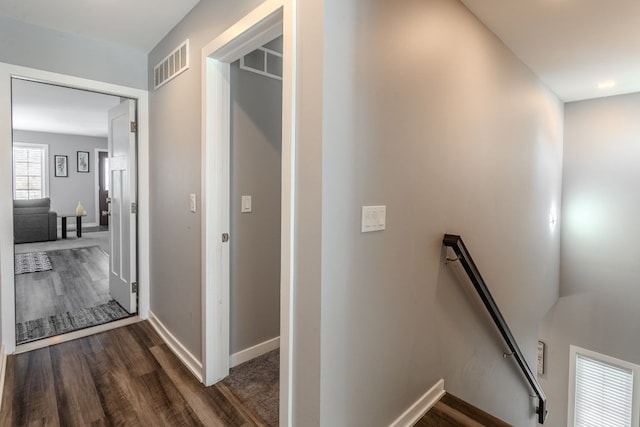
x: 125, y: 377
x: 100, y: 238
x: 451, y: 411
x: 79, y: 279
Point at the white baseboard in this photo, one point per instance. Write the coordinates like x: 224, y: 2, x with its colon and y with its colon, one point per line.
x: 188, y: 359
x: 253, y: 352
x: 3, y: 371
x: 421, y: 406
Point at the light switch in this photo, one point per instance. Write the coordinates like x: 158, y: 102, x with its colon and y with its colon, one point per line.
x: 246, y: 204
x: 373, y: 218
x: 192, y: 203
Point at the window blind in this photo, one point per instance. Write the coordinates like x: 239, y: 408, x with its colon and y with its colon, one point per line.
x: 604, y: 394
x: 28, y: 167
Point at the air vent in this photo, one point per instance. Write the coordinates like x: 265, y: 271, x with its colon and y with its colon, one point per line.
x: 172, y: 66
x: 263, y: 61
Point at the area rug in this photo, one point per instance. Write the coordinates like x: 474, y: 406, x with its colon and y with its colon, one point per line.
x: 256, y: 384
x: 70, y: 321
x: 32, y: 262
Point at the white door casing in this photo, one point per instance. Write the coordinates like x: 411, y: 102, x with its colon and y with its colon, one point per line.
x: 123, y: 207
x: 269, y: 20
x: 7, y: 283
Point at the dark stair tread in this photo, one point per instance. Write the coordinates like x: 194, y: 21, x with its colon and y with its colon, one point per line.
x: 451, y: 411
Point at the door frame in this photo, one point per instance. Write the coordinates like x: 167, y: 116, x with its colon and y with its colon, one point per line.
x: 269, y: 20
x: 97, y: 152
x: 7, y: 283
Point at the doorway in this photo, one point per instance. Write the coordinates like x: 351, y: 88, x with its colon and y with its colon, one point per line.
x: 102, y: 210
x: 64, y: 266
x: 255, y: 219
x: 271, y: 19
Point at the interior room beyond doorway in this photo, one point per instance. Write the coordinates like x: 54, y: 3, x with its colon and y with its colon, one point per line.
x: 61, y: 240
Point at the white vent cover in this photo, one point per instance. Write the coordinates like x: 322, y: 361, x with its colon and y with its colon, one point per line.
x: 173, y: 65
x: 263, y: 61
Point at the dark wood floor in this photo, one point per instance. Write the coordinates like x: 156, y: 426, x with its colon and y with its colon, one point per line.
x: 451, y: 411
x: 79, y: 279
x: 125, y: 377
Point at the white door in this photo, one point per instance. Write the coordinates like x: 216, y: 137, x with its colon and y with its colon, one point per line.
x: 122, y: 205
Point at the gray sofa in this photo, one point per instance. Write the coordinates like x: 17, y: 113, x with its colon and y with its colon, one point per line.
x: 33, y: 221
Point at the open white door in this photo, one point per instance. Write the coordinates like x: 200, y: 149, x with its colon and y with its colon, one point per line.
x: 123, y: 205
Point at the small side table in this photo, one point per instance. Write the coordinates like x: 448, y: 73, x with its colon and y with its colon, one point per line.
x: 64, y: 217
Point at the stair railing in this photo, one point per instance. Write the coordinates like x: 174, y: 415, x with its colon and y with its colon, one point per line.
x: 455, y: 242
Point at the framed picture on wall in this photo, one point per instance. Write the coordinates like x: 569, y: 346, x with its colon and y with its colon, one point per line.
x: 83, y: 161
x: 60, y: 163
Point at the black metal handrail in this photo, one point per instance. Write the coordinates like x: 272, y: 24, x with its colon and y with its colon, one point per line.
x: 456, y: 243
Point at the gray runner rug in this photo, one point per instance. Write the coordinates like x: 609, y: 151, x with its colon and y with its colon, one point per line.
x: 32, y: 262
x: 70, y: 321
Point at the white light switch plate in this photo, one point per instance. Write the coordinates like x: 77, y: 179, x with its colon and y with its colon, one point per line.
x: 192, y: 203
x: 246, y: 204
x: 374, y: 218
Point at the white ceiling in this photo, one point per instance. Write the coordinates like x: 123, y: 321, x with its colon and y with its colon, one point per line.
x: 137, y: 23
x: 47, y: 108
x: 572, y: 45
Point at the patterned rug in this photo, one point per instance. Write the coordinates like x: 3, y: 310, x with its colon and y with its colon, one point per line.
x: 32, y: 262
x: 33, y: 330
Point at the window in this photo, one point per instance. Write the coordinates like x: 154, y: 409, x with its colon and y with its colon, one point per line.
x: 603, y: 391
x: 30, y: 171
x: 263, y: 61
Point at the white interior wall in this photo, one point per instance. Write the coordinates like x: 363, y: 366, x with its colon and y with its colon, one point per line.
x: 599, y: 268
x: 176, y: 131
x: 66, y: 192
x: 256, y: 152
x: 427, y: 112
x: 45, y: 49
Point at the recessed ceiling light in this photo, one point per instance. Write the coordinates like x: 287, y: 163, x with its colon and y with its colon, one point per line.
x: 608, y: 84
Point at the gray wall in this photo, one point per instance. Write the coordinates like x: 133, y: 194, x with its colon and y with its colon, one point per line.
x: 66, y: 53
x: 65, y: 193
x: 599, y: 260
x: 427, y: 112
x: 600, y: 197
x: 256, y: 150
x: 175, y: 172
x: 416, y: 105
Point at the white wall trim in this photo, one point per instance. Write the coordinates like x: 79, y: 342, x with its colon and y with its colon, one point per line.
x: 188, y: 359
x: 3, y: 371
x: 270, y: 19
x: 421, y: 406
x: 7, y: 285
x: 257, y: 350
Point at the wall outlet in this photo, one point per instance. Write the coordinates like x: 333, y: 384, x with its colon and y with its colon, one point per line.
x: 192, y: 203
